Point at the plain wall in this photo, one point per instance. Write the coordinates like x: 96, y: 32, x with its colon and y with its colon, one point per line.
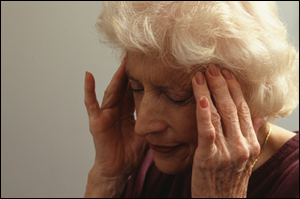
x: 46, y: 47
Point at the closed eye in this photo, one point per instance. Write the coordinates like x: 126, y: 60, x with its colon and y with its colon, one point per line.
x: 137, y: 90
x: 181, y: 101
x: 177, y: 101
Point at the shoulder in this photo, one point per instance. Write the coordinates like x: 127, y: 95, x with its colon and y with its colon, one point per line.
x: 279, y: 175
x: 281, y: 136
x: 278, y: 138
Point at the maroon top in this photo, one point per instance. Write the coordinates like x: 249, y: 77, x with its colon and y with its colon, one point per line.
x: 278, y: 177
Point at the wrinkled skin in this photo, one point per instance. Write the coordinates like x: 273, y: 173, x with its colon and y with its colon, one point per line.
x: 227, y: 142
x: 216, y: 135
x: 118, y: 149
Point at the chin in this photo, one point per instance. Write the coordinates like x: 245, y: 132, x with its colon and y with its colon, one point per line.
x: 172, y: 167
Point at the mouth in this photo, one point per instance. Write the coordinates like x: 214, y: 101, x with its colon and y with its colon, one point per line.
x: 164, y: 149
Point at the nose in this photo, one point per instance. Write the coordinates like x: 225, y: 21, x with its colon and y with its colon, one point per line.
x: 151, y: 116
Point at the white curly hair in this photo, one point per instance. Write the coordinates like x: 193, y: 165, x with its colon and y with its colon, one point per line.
x: 245, y: 37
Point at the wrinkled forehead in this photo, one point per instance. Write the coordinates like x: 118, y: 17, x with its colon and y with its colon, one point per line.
x: 140, y: 67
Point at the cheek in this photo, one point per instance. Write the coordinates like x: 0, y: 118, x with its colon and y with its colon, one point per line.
x: 187, y: 124
x: 184, y: 123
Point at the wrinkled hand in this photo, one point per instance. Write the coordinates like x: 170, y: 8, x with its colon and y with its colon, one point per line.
x: 227, y: 142
x: 118, y: 149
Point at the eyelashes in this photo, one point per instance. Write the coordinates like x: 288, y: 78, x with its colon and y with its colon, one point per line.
x: 178, y: 101
x: 137, y: 90
x: 181, y: 101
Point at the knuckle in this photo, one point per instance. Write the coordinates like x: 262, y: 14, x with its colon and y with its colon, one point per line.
x: 230, y: 108
x: 218, y: 85
x: 208, y: 135
x: 242, y: 152
x: 215, y: 118
x: 229, y: 111
x: 243, y: 156
x: 243, y: 108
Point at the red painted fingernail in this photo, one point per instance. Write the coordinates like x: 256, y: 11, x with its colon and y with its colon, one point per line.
x: 226, y: 74
x: 203, y: 102
x: 199, y: 78
x: 213, y: 70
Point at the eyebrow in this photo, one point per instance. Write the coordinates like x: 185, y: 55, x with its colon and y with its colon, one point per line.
x: 185, y: 85
x: 129, y: 75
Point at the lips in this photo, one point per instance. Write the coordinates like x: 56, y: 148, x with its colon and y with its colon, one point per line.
x: 164, y: 149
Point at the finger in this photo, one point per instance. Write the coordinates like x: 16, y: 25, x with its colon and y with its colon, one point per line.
x: 200, y: 89
x: 246, y: 124
x: 209, y: 124
x: 206, y: 130
x: 115, y: 89
x: 208, y: 119
x: 90, y: 98
x: 224, y: 103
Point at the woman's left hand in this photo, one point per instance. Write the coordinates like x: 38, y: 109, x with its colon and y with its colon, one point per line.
x: 227, y: 142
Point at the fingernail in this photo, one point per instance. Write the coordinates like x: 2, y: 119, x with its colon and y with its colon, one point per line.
x: 226, y: 74
x: 203, y: 102
x: 199, y: 78
x: 213, y: 70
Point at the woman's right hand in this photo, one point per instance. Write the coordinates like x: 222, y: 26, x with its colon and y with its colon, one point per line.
x: 118, y: 149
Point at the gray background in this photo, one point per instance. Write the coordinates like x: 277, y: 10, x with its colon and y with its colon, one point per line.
x: 46, y: 47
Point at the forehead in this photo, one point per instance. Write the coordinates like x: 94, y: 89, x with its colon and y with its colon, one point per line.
x: 155, y: 71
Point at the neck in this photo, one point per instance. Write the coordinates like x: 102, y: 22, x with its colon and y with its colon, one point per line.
x: 262, y: 133
x: 277, y: 139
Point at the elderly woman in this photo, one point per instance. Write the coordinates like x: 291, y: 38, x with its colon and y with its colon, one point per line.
x: 205, y: 80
